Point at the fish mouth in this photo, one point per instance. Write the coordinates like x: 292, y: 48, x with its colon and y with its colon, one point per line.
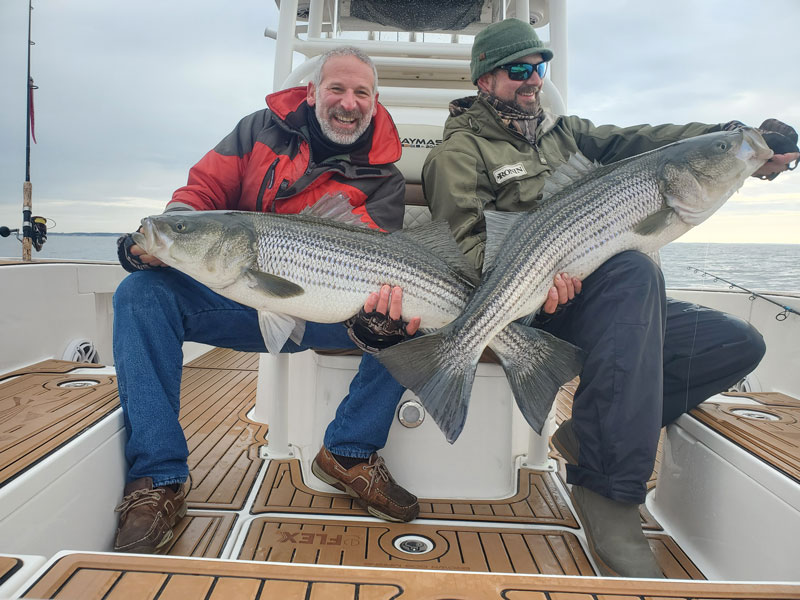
x: 150, y: 238
x: 753, y: 147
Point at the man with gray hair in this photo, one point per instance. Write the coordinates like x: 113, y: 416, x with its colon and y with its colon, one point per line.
x: 331, y: 137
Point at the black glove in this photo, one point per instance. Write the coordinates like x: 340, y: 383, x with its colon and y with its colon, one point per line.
x: 130, y: 262
x: 780, y: 137
x: 374, y: 331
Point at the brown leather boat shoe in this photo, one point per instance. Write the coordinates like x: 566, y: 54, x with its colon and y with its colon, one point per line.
x: 371, y: 483
x: 147, y: 516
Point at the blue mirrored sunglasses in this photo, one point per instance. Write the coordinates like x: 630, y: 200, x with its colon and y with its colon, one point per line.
x: 523, y: 71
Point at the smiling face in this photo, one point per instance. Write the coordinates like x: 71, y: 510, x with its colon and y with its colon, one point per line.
x: 523, y: 95
x: 345, y: 99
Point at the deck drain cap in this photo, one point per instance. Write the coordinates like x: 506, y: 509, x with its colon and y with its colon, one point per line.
x: 78, y: 383
x: 749, y: 413
x: 413, y: 544
x: 411, y: 414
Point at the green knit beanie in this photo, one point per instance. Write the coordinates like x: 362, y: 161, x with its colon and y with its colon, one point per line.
x: 502, y: 43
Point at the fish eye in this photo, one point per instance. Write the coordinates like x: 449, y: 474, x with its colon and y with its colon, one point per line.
x: 180, y: 226
x: 722, y: 146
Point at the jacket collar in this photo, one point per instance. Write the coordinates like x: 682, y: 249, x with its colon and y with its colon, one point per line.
x: 475, y: 114
x: 290, y: 106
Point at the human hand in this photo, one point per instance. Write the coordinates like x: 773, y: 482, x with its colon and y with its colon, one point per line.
x: 391, y: 299
x: 564, y: 289
x: 782, y: 140
x: 148, y: 259
x: 133, y: 257
x: 379, y: 324
x: 777, y: 164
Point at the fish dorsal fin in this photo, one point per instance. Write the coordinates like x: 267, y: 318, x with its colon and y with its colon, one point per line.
x: 577, y: 167
x: 276, y: 328
x: 334, y: 207
x: 498, y: 226
x: 437, y: 238
x: 272, y: 285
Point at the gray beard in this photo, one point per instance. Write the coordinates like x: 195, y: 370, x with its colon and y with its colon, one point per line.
x: 345, y: 139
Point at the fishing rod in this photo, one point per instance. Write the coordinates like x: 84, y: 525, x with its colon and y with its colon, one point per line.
x: 34, y: 229
x: 781, y: 316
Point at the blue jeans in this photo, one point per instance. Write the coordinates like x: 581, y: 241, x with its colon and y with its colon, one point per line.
x: 155, y: 311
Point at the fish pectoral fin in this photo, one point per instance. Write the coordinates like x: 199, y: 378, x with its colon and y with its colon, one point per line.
x: 299, y: 331
x: 276, y: 328
x: 272, y: 285
x: 335, y: 207
x: 656, y: 222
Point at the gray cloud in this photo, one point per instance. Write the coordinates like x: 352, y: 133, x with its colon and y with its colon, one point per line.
x: 133, y: 94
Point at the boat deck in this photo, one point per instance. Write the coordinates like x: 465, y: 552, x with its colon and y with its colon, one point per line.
x: 244, y: 508
x: 146, y: 578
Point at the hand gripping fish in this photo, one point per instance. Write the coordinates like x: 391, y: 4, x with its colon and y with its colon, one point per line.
x: 641, y: 203
x: 320, y: 266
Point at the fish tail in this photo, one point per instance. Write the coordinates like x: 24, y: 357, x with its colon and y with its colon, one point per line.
x: 441, y: 379
x: 536, y: 364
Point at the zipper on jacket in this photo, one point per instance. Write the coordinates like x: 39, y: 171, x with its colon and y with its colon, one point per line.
x: 542, y: 159
x: 282, y: 188
x: 266, y: 183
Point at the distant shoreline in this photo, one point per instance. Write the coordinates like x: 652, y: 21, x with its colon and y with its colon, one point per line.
x: 54, y: 233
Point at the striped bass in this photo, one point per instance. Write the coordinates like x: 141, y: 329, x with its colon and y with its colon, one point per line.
x: 640, y: 203
x: 320, y: 266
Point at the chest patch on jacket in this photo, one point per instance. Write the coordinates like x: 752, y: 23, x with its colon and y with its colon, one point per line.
x: 507, y: 172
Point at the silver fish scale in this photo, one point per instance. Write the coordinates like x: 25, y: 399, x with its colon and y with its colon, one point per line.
x: 601, y: 214
x: 354, y: 262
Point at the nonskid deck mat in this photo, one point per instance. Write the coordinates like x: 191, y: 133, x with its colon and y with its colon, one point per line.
x: 769, y: 430
x: 43, y: 407
x: 8, y: 566
x: 415, y: 546
x: 201, y: 534
x: 50, y: 366
x: 224, y: 358
x: 161, y: 578
x: 537, y: 500
x: 420, y: 545
x: 223, y: 442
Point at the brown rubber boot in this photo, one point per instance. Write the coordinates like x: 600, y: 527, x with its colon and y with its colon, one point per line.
x: 614, y: 534
x: 371, y: 483
x: 147, y: 516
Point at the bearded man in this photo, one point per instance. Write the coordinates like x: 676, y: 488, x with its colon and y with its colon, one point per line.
x: 649, y: 359
x: 327, y: 138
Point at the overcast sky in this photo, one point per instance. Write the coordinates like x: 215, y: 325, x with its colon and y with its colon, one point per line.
x: 133, y: 94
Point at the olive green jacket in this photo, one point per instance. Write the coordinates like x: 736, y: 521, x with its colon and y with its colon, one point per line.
x: 483, y: 165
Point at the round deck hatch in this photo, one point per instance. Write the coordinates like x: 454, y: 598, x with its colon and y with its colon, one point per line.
x: 78, y: 383
x: 413, y: 544
x: 749, y: 413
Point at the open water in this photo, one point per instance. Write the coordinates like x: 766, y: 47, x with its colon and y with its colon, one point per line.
x: 760, y: 267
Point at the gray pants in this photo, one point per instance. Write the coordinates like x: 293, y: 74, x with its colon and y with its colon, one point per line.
x: 649, y: 359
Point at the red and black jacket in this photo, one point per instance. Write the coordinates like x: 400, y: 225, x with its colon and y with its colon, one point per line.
x: 265, y: 165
